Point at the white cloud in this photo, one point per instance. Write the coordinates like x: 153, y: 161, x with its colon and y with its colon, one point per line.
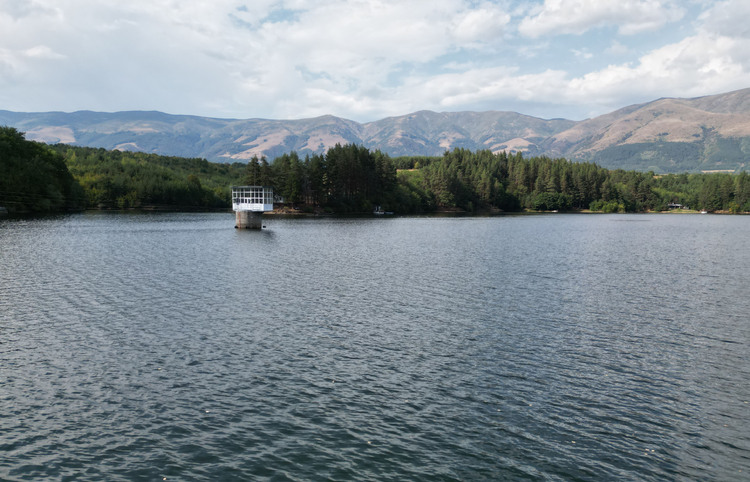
x: 492, y: 87
x: 728, y: 18
x: 43, y: 52
x: 362, y: 59
x: 579, y: 16
x: 701, y: 64
x: 238, y: 58
x: 343, y: 56
x: 481, y: 24
x: 709, y: 61
x: 697, y: 65
x: 18, y: 9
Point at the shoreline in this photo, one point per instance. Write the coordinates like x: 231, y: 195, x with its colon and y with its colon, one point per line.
x: 320, y: 213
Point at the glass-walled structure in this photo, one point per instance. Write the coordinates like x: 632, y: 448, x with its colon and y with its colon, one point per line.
x: 256, y: 199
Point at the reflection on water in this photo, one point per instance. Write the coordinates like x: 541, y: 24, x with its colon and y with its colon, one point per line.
x: 563, y: 347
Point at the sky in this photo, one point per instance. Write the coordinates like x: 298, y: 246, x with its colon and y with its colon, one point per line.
x: 367, y: 59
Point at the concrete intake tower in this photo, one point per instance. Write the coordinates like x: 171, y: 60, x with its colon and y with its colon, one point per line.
x: 249, y: 203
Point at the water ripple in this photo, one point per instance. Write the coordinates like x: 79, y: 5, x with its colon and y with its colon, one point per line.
x: 139, y: 347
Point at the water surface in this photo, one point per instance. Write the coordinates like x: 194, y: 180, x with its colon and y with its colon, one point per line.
x: 552, y: 347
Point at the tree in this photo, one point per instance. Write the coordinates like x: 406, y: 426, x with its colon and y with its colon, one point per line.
x: 34, y: 178
x: 253, y: 173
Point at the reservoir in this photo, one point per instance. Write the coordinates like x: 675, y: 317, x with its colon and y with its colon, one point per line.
x: 530, y: 347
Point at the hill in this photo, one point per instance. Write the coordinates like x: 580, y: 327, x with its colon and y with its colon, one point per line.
x: 666, y: 135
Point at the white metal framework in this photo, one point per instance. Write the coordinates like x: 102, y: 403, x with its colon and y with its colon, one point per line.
x: 256, y: 199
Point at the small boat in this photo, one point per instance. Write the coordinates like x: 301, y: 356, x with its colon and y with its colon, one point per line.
x: 703, y: 211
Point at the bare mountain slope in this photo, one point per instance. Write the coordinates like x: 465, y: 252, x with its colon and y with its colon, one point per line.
x: 420, y: 133
x: 431, y: 133
x: 710, y: 132
x: 666, y: 135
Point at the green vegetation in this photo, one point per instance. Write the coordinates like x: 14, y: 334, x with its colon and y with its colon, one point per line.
x: 348, y: 178
x: 33, y: 178
x: 480, y: 180
x: 126, y: 180
x: 711, y: 153
x: 351, y: 178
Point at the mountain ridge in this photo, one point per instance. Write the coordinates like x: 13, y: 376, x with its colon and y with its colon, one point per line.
x: 665, y: 135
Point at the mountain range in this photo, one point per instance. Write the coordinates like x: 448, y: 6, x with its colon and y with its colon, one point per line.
x: 665, y: 135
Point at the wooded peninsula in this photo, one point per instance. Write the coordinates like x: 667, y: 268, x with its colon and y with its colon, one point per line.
x: 36, y: 177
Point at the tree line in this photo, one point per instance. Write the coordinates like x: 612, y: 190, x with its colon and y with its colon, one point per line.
x: 470, y: 181
x: 347, y: 178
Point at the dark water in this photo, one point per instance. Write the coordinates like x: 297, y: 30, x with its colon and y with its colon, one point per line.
x: 561, y: 347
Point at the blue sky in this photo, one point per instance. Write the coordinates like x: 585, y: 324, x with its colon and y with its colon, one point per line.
x: 365, y: 60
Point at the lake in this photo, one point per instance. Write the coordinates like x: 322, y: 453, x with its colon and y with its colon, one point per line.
x: 528, y: 347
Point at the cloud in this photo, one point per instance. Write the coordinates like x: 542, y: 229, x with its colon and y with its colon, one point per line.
x: 480, y: 25
x: 43, y: 52
x: 579, y: 16
x: 697, y: 65
x: 18, y: 9
x: 727, y: 18
x: 363, y: 59
x: 491, y: 88
x: 617, y: 49
x: 237, y: 58
x: 716, y: 58
x: 338, y: 56
x: 7, y: 68
x: 700, y: 64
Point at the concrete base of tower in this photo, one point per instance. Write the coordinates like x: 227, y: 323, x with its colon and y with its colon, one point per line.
x: 248, y: 220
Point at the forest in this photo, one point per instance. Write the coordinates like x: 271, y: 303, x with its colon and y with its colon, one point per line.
x: 348, y: 178
x: 351, y: 178
x: 137, y: 180
x: 471, y: 180
x: 33, y: 178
